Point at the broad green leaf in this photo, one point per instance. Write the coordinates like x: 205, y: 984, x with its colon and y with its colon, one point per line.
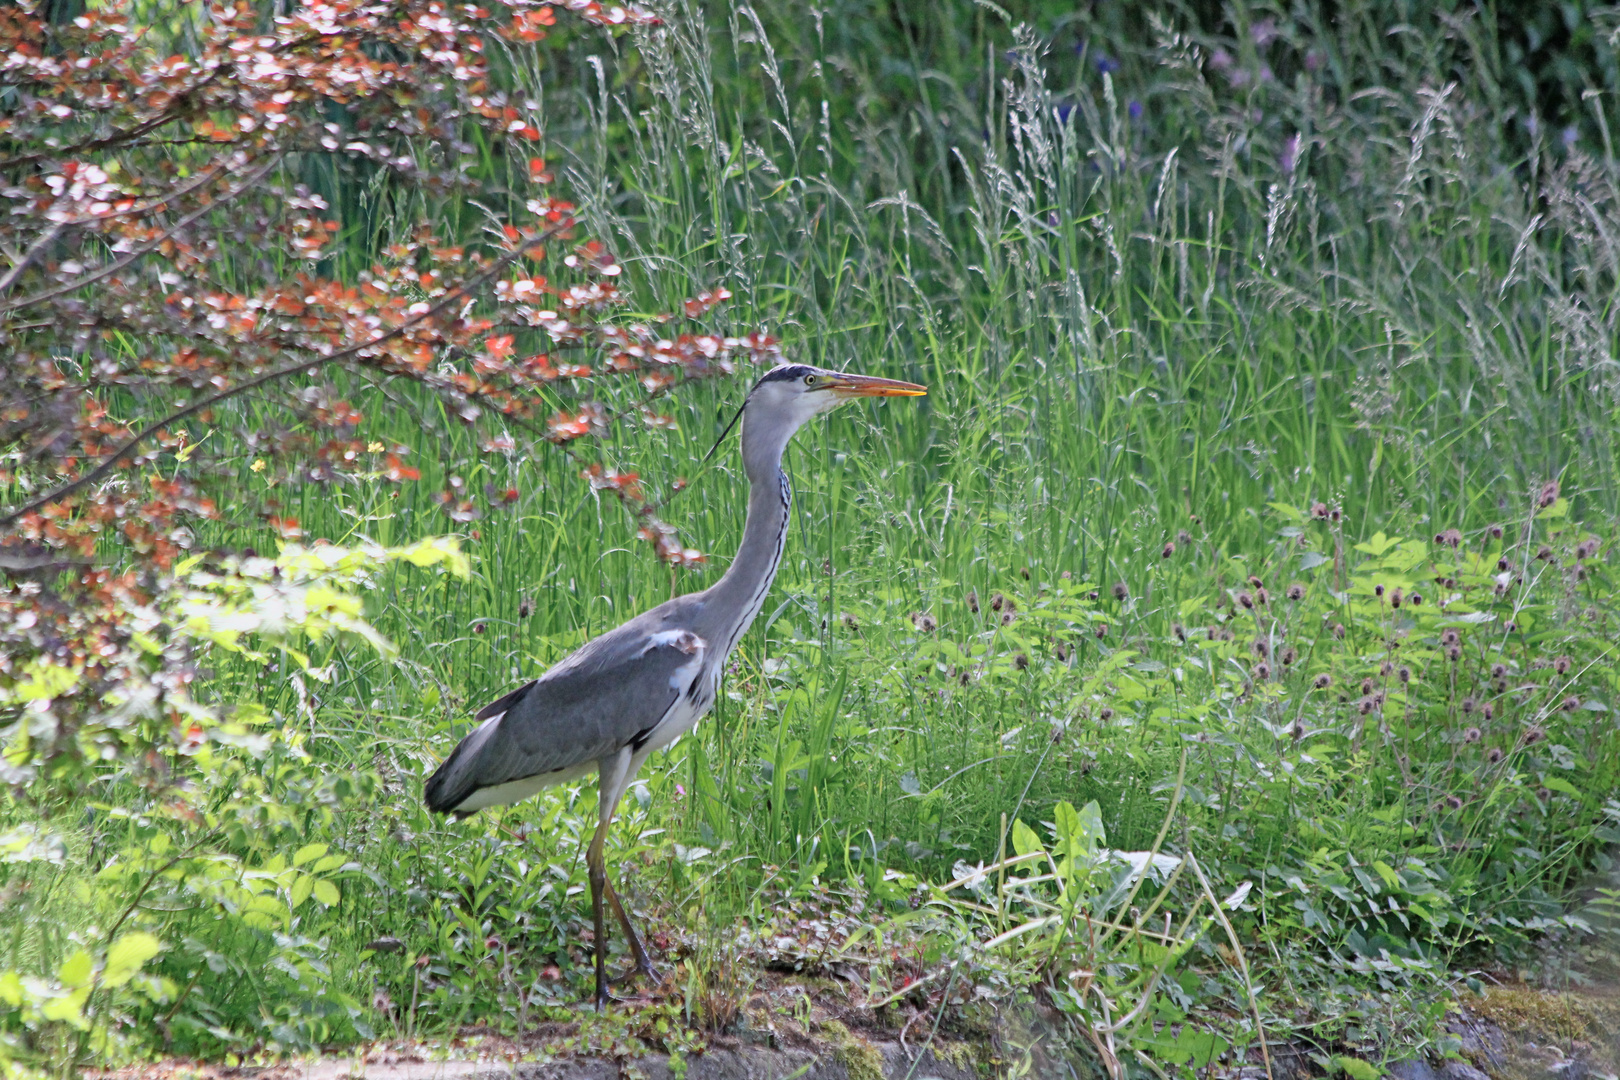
x: 1558, y: 783
x: 127, y: 955
x: 68, y: 1009
x: 1377, y: 545
x: 76, y: 970
x: 302, y: 887
x: 308, y: 853
x: 1357, y: 1069
x: 1312, y: 559
x: 327, y: 893
x: 1024, y: 839
x: 1556, y: 510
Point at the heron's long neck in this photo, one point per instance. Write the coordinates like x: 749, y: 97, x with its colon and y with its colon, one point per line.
x: 739, y: 594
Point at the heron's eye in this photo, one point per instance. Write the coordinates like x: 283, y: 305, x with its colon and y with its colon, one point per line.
x: 809, y: 380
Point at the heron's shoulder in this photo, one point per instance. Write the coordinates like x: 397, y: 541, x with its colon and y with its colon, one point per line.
x: 664, y: 630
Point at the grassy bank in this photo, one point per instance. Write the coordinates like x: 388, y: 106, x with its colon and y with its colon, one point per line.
x: 1264, y: 497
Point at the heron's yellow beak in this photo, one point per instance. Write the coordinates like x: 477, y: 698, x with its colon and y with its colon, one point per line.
x: 848, y: 386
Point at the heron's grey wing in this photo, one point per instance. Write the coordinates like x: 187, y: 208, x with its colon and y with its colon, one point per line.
x: 609, y: 694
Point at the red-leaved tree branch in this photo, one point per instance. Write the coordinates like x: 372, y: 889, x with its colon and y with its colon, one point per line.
x: 165, y: 256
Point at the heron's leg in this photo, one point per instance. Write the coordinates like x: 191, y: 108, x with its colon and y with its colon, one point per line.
x: 644, y: 966
x: 612, y: 775
x: 597, y: 872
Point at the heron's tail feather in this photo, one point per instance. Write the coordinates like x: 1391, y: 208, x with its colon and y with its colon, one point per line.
x: 460, y: 774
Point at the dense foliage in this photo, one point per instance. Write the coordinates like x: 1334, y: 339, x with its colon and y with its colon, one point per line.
x: 1247, y: 567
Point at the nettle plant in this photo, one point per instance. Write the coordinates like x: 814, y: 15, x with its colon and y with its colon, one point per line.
x: 176, y: 303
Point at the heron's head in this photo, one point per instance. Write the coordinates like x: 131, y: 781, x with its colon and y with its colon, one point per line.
x: 791, y: 394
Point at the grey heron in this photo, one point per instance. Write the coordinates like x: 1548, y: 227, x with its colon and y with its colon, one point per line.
x: 635, y: 689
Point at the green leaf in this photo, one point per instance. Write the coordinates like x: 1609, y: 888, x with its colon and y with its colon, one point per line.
x: 127, y: 955
x: 75, y: 970
x: 309, y: 853
x: 1558, y: 783
x: 1556, y: 510
x: 302, y: 887
x: 1312, y: 559
x: 1376, y: 547
x: 68, y: 1009
x: 1024, y: 840
x: 327, y: 893
x: 1357, y: 1069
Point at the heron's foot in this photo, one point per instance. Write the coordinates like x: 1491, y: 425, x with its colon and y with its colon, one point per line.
x: 604, y: 999
x: 645, y: 969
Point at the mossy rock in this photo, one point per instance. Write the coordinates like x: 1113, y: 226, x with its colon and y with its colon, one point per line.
x: 859, y: 1057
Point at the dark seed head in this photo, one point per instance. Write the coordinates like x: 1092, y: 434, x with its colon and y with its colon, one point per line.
x: 1533, y: 735
x: 1338, y: 630
x: 1378, y: 590
x: 1262, y: 671
x: 1496, y: 532
x: 973, y: 601
x: 525, y: 607
x: 1471, y: 735
x: 1544, y: 553
x: 1106, y: 715
x: 997, y: 602
x: 1008, y: 616
x: 1260, y: 647
x: 924, y: 622
x: 1245, y: 599
x: 1169, y: 550
x: 1262, y: 597
x: 478, y: 628
x: 1319, y: 510
x: 1289, y: 655
x: 1024, y: 571
x: 1570, y: 704
x: 1183, y: 537
x: 1498, y: 671
x: 1404, y: 674
x: 1179, y: 631
x: 1101, y: 631
x: 1395, y: 598
x: 1494, y: 754
x: 1489, y: 711
x: 1469, y: 705
x: 1417, y: 599
x: 1256, y: 582
x: 1322, y: 681
x: 1454, y: 653
x: 1453, y: 802
x: 1121, y: 592
x: 1334, y: 514
x: 1296, y: 591
x: 1561, y: 665
x: 1549, y: 494
x: 1450, y: 637
x: 1020, y: 661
